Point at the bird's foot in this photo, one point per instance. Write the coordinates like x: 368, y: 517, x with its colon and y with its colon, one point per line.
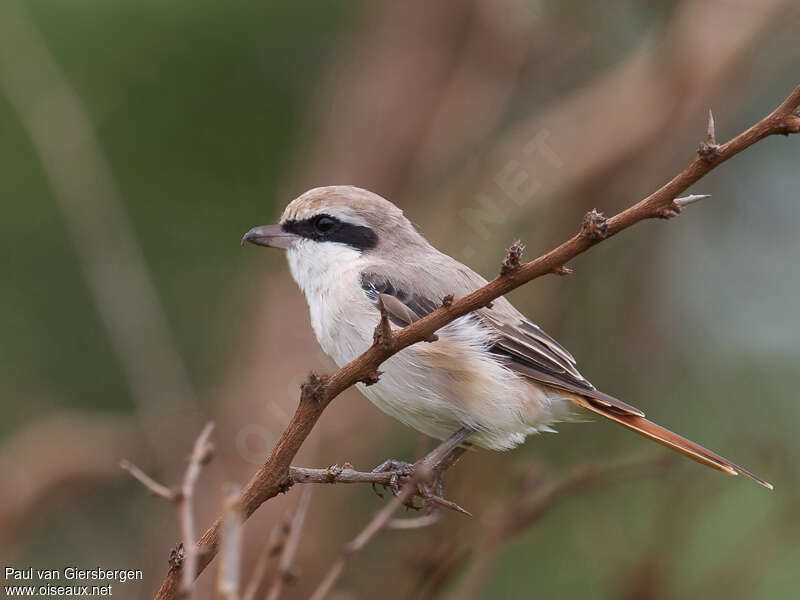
x: 430, y: 491
x: 400, y: 471
x: 431, y: 487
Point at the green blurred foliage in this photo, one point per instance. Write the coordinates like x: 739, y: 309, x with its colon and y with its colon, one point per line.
x: 194, y: 104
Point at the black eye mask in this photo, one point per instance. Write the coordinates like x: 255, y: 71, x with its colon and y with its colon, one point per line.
x: 325, y: 228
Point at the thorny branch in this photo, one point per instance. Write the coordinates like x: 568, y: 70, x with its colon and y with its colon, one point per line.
x: 272, y: 477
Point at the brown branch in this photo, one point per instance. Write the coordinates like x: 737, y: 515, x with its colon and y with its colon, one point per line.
x: 273, y: 476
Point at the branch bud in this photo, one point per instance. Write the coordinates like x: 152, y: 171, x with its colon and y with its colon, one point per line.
x: 594, y: 226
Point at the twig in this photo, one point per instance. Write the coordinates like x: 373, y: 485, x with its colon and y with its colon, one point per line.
x: 186, y: 560
x: 230, y: 554
x: 273, y: 476
x: 201, y: 454
x: 286, y: 572
x: 336, y: 474
x: 416, y: 523
x: 421, y: 474
x: 155, y: 488
x: 274, y: 545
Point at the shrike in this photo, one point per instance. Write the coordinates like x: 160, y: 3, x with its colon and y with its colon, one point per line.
x: 492, y: 371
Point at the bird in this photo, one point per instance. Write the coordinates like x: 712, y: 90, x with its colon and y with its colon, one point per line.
x: 492, y: 373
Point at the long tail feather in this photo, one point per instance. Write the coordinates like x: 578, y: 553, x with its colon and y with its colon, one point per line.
x: 671, y: 440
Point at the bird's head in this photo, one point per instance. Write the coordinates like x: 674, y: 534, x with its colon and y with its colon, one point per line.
x: 331, y: 228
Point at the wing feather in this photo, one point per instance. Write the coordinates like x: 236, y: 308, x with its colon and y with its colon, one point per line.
x: 522, y: 345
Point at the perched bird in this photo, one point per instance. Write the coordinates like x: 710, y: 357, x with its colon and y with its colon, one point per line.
x: 492, y: 372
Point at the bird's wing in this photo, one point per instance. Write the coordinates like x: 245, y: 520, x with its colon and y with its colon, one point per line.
x: 528, y: 350
x: 523, y: 346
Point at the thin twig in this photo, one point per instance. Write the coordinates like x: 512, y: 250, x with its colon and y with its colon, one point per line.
x: 416, y: 523
x: 187, y: 556
x: 336, y: 474
x: 230, y: 553
x: 201, y: 454
x: 421, y: 474
x: 273, y: 547
x: 286, y: 572
x: 155, y: 488
x: 273, y: 476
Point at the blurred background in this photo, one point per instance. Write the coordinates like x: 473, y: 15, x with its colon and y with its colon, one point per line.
x: 139, y: 140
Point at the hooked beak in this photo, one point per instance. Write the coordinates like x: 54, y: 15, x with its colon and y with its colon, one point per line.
x: 271, y: 236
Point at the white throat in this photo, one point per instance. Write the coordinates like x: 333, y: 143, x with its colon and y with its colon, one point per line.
x: 329, y: 276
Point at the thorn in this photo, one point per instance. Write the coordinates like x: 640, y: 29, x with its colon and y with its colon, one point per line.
x: 679, y: 204
x: 448, y: 504
x: 711, y: 138
x: 383, y: 331
x: 709, y: 149
x: 691, y: 199
x: 333, y: 472
x: 563, y: 270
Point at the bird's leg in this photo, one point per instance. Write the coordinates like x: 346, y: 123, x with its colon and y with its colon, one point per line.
x: 438, y: 461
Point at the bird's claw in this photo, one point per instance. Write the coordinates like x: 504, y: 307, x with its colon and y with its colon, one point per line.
x: 431, y: 492
x: 400, y: 472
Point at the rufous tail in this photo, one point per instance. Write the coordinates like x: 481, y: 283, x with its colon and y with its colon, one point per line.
x: 669, y: 439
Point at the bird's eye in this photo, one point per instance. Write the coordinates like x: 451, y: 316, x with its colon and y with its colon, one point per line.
x: 324, y: 223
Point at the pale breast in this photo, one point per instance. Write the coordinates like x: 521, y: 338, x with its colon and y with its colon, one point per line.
x: 434, y: 387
